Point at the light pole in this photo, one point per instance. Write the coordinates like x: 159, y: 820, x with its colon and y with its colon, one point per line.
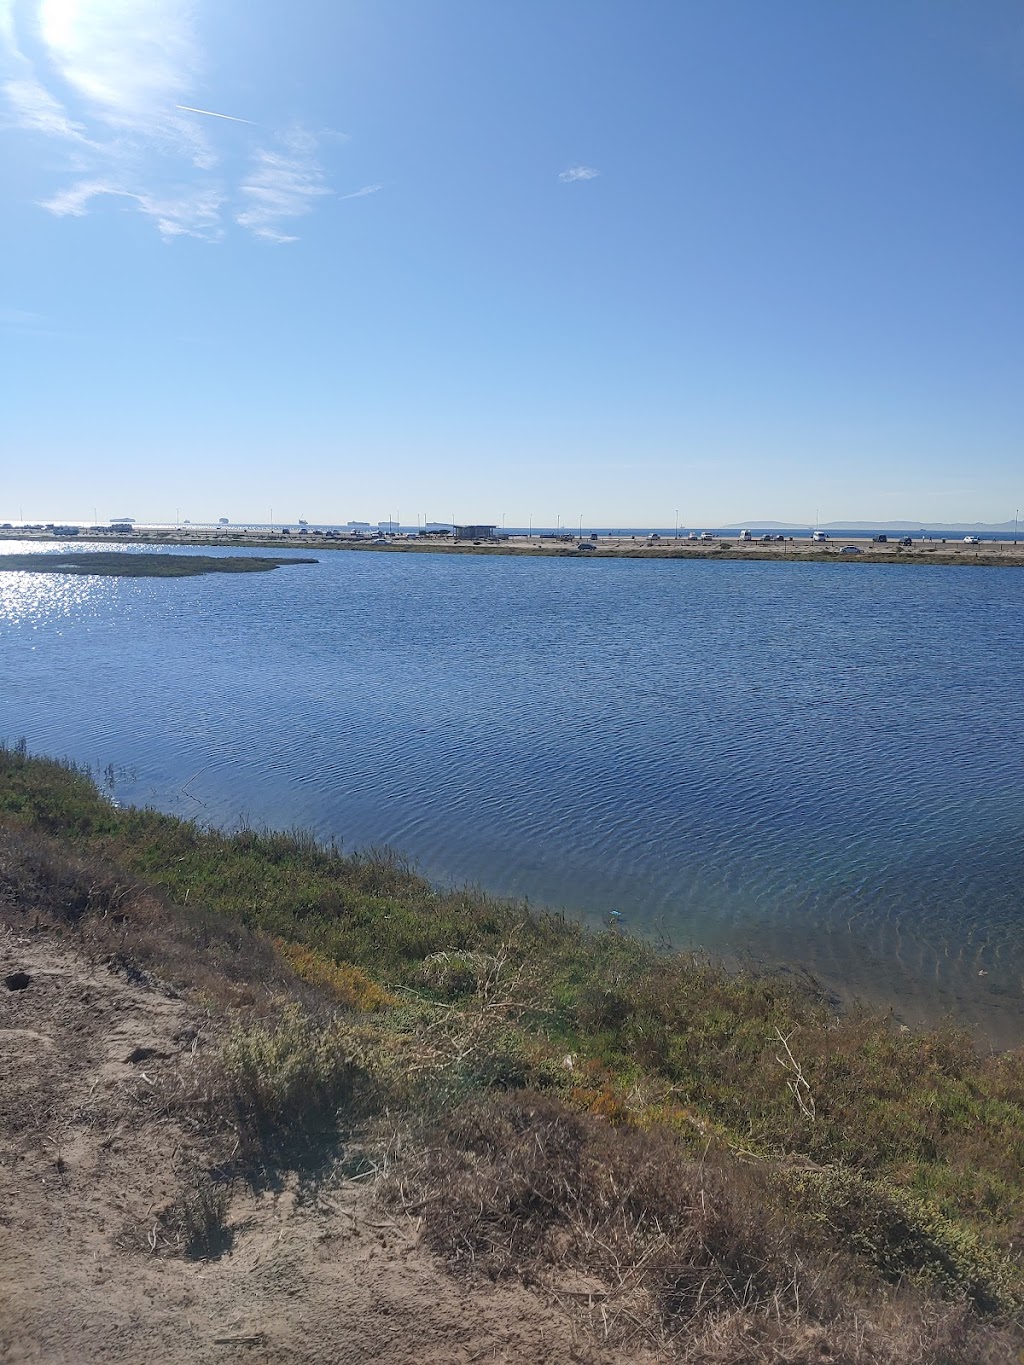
x: 1016, y: 511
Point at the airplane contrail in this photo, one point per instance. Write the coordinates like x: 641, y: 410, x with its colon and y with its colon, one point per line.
x: 211, y: 113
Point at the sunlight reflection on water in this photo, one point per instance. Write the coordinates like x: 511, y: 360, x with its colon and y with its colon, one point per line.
x: 42, y: 598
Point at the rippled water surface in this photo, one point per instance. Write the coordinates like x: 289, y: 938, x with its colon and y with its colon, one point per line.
x: 820, y: 764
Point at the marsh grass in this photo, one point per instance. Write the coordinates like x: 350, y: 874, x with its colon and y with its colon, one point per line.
x: 118, y: 564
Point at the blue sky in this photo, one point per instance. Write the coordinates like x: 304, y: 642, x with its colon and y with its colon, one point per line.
x: 552, y: 258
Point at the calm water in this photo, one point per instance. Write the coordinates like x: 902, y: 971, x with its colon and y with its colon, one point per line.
x: 818, y: 764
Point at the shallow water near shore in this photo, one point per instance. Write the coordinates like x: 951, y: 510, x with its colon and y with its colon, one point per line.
x: 787, y: 761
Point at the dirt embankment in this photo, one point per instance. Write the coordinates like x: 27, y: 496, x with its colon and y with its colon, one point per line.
x: 96, y: 1158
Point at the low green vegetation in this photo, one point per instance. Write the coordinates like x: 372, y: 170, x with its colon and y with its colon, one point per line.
x: 896, y: 1155
x: 122, y: 564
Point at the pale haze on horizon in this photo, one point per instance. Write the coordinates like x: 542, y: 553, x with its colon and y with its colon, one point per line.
x: 424, y: 258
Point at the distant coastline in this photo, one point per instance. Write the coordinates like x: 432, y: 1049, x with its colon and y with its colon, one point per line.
x: 991, y: 553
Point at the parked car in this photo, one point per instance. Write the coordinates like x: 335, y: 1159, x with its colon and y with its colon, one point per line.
x: 706, y: 535
x: 745, y: 535
x: 818, y: 537
x: 906, y: 542
x: 972, y: 540
x: 851, y: 550
x: 880, y: 540
x: 780, y: 537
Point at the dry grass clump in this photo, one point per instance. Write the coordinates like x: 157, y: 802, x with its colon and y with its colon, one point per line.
x: 692, y: 1253
x: 287, y: 1080
x: 195, y: 1224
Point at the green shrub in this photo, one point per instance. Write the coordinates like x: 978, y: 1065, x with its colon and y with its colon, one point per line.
x: 292, y: 1076
x: 905, y: 1237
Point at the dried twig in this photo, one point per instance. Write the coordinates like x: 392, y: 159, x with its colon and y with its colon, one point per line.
x: 797, y: 1085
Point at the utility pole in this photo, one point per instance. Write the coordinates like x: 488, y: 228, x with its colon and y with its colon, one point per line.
x: 1016, y: 511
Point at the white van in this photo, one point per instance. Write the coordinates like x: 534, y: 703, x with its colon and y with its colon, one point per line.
x: 745, y: 535
x: 819, y: 536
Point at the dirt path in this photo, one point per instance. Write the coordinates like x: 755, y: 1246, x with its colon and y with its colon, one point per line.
x: 89, y: 1156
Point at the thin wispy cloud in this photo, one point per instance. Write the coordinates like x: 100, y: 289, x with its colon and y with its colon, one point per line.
x: 574, y: 173
x: 187, y: 214
x: 32, y: 107
x: 128, y: 63
x: 284, y: 184
x: 24, y: 323
x: 359, y: 194
x: 21, y: 317
x: 8, y: 41
x: 114, y: 84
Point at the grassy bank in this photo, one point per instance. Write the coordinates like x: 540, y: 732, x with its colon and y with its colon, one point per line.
x: 117, y: 564
x: 570, y: 1094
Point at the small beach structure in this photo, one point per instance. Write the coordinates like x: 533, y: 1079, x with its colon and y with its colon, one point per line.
x: 476, y: 532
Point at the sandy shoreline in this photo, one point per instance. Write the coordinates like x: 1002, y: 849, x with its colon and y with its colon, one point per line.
x: 990, y: 553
